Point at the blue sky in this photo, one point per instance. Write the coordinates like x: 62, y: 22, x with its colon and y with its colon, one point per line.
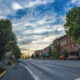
x: 36, y: 23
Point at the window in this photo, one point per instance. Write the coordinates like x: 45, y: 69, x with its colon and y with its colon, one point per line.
x: 72, y: 45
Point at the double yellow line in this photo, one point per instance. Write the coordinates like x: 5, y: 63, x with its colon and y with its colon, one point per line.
x: 2, y: 74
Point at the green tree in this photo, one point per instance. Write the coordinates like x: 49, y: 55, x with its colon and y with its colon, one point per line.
x: 7, y: 37
x: 50, y: 51
x: 73, y: 23
x: 54, y: 53
x: 65, y: 52
x: 32, y: 56
x: 37, y: 55
x: 16, y: 51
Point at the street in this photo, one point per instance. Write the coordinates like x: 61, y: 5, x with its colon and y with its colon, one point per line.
x: 44, y: 70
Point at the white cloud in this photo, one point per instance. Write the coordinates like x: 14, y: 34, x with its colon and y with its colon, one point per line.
x: 41, y: 42
x: 38, y: 2
x: 10, y: 6
x: 76, y: 2
x: 16, y: 6
x: 39, y: 25
x: 2, y: 17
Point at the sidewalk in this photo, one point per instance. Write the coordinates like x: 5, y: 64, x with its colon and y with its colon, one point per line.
x: 5, y: 67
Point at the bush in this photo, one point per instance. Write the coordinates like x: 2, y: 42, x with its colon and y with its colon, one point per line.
x: 9, y: 63
x: 65, y: 52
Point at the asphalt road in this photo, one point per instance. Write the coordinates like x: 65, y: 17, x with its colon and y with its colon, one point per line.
x: 17, y: 72
x: 44, y: 70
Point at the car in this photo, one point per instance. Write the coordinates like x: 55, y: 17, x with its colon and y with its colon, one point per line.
x: 19, y: 60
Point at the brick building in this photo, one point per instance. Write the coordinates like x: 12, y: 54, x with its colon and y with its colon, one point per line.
x: 56, y: 44
x: 45, y: 50
x: 51, y: 46
x: 70, y: 45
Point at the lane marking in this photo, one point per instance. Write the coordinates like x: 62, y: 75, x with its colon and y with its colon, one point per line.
x: 77, y: 79
x: 33, y: 75
x: 2, y: 74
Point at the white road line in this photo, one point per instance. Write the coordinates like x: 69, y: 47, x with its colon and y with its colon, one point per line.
x: 33, y: 75
x: 77, y: 79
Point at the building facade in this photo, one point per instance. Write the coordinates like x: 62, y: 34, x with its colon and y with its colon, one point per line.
x: 37, y: 53
x: 57, y: 46
x: 70, y: 45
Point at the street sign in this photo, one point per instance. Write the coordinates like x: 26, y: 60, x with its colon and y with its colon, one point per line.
x: 47, y: 55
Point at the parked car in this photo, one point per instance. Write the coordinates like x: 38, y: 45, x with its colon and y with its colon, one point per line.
x: 19, y: 60
x: 61, y: 57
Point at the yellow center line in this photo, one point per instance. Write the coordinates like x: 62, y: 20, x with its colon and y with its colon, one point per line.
x: 2, y: 74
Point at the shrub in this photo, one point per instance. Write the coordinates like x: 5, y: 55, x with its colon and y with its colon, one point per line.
x: 9, y: 63
x: 65, y: 52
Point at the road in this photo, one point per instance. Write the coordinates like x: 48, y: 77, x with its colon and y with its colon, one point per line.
x: 44, y: 70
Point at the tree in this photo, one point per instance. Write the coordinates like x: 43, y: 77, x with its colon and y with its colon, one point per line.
x: 7, y: 37
x: 54, y: 53
x: 50, y: 51
x: 65, y: 52
x: 73, y: 23
x: 37, y: 55
x: 32, y: 56
x: 16, y: 51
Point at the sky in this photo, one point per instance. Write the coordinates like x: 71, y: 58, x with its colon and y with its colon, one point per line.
x: 36, y: 23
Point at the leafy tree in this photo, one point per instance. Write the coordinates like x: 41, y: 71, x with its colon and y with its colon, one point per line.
x: 50, y: 51
x: 37, y: 55
x: 32, y: 56
x: 54, y: 53
x: 73, y: 23
x: 16, y: 51
x: 65, y: 52
x: 7, y: 37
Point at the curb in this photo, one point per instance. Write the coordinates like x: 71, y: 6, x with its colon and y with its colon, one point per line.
x: 2, y: 74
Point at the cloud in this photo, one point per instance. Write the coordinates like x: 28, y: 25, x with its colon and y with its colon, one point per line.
x: 41, y: 42
x: 38, y: 32
x: 16, y: 6
x: 2, y: 17
x: 36, y: 23
x: 71, y: 4
x: 11, y: 6
x: 38, y: 2
x: 77, y: 2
